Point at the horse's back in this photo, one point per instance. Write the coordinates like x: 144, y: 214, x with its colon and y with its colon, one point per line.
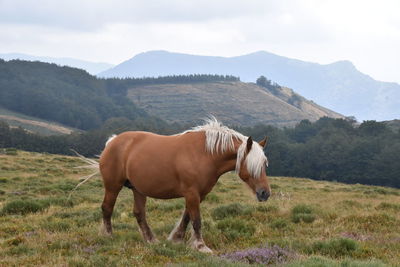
x: 121, y: 146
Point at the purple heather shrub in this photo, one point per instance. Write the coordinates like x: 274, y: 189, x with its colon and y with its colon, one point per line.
x: 264, y: 255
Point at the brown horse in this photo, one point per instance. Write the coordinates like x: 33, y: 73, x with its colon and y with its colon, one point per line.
x: 184, y: 165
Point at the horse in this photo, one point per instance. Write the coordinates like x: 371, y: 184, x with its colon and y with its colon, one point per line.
x: 184, y: 165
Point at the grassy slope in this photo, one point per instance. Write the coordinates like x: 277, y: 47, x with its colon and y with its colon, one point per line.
x: 67, y: 232
x: 232, y: 102
x: 33, y: 124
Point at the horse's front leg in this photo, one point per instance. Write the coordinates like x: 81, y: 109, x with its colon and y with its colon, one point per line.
x: 193, y: 207
x: 178, y: 233
x: 140, y: 213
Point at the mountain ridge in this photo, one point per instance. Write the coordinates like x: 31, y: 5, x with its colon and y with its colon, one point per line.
x: 339, y: 86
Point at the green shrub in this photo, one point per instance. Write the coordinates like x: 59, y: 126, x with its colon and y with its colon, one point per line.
x: 59, y: 201
x: 334, y: 248
x: 388, y: 206
x: 235, y: 228
x: 21, y: 249
x: 165, y: 251
x: 23, y: 207
x: 279, y: 223
x: 171, y: 206
x: 166, y: 205
x: 58, y: 226
x: 303, y: 217
x: 303, y: 213
x: 267, y: 208
x: 302, y: 208
x: 65, y: 186
x: 212, y: 198
x: 231, y: 210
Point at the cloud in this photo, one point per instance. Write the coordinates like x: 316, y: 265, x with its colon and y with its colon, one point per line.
x: 94, y: 14
x: 366, y: 32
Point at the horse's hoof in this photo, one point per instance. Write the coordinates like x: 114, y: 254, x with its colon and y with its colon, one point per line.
x: 201, y: 247
x: 205, y: 249
x: 103, y: 231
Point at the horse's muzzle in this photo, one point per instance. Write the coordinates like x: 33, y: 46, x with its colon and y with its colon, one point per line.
x: 262, y: 195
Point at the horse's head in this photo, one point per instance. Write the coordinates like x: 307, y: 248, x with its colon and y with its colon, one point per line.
x: 251, y: 168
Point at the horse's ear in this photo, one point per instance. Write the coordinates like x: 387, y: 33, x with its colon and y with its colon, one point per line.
x: 249, y: 143
x: 263, y: 143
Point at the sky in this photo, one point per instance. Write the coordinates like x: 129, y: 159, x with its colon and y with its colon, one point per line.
x: 365, y: 32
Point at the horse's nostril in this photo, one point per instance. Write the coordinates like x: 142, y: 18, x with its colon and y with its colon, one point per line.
x: 262, y: 195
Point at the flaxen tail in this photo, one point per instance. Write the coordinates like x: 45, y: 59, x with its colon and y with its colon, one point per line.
x: 91, y: 164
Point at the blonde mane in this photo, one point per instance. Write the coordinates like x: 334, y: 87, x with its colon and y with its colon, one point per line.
x: 219, y: 139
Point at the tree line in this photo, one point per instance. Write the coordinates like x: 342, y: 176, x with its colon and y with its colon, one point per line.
x: 334, y: 150
x: 328, y: 149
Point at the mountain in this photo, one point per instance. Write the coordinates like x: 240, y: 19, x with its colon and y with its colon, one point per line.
x: 338, y: 86
x: 235, y: 103
x: 91, y: 67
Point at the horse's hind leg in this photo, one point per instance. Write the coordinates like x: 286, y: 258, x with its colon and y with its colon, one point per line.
x: 178, y: 234
x: 110, y: 196
x: 140, y: 213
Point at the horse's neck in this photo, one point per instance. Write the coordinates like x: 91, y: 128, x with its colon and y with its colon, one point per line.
x: 227, y: 161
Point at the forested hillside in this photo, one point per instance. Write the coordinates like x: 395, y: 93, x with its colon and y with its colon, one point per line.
x: 334, y: 150
x: 72, y: 96
x: 329, y: 149
x: 66, y: 95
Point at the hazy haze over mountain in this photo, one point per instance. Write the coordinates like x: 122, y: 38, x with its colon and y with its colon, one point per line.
x: 338, y: 86
x: 91, y: 67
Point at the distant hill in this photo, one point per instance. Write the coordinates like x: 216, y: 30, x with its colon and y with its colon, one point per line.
x: 91, y: 67
x: 235, y: 103
x: 338, y: 86
x: 32, y: 124
x: 66, y: 95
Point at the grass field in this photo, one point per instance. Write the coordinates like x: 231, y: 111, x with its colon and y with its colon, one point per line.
x: 305, y: 223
